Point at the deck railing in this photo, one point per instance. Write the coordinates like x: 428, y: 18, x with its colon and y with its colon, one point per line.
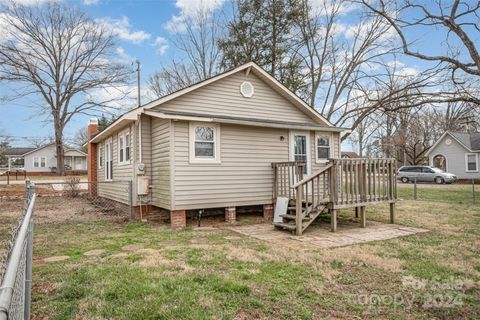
x: 362, y: 181
x: 342, y: 183
x: 286, y: 174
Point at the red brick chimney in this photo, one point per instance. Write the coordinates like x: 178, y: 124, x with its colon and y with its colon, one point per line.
x: 92, y: 157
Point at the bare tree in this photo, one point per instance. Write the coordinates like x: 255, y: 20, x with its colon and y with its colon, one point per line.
x: 196, y: 38
x: 81, y: 138
x: 172, y: 78
x: 343, y: 63
x: 59, y: 55
x: 457, y: 22
x: 37, y: 142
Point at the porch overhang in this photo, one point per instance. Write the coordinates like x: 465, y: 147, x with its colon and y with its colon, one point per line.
x: 241, y: 121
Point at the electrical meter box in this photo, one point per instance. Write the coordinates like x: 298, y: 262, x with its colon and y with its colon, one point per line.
x: 142, y: 185
x: 141, y: 169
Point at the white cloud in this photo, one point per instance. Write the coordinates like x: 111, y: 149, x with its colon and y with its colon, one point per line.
x: 161, y: 44
x: 189, y: 9
x: 123, y: 56
x: 123, y: 29
x: 90, y: 2
x: 120, y: 97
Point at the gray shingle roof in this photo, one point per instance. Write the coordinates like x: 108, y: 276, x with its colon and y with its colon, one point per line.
x: 470, y: 140
x: 18, y: 151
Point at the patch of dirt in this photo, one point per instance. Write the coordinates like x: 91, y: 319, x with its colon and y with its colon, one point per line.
x: 55, y: 259
x: 152, y: 258
x: 94, y: 252
x: 132, y: 247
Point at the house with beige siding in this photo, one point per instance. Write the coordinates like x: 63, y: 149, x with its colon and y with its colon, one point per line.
x: 212, y: 145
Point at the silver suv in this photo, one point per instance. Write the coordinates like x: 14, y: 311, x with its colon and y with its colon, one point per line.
x: 424, y: 174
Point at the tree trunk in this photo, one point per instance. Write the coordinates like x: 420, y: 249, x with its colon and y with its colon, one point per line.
x: 60, y: 151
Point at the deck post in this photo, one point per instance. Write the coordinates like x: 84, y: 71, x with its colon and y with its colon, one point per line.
x: 363, y: 217
x: 299, y: 211
x: 392, y: 212
x: 333, y: 219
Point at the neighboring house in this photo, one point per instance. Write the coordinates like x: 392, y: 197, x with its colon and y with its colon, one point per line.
x: 349, y: 155
x: 457, y: 153
x: 211, y: 145
x: 44, y: 159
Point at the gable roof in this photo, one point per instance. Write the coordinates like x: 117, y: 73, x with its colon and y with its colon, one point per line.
x: 22, y: 151
x: 470, y: 141
x: 17, y: 151
x: 247, y: 67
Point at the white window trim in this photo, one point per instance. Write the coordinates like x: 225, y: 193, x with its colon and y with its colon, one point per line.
x: 291, y: 147
x: 123, y: 135
x: 216, y: 142
x: 466, y: 162
x: 318, y: 134
x: 40, y: 162
x: 108, y: 142
x: 100, y: 155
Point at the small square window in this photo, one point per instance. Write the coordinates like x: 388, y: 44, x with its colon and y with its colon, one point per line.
x: 204, y: 143
x: 323, y: 147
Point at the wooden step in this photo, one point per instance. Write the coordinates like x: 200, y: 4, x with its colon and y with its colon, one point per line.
x: 292, y: 217
x: 288, y: 226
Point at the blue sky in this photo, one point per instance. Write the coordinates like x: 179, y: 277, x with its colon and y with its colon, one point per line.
x: 140, y: 25
x: 142, y: 32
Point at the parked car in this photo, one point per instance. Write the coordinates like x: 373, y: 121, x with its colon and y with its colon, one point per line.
x: 424, y: 174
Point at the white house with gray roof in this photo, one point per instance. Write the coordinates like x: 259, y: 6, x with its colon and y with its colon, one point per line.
x: 44, y: 159
x: 457, y: 153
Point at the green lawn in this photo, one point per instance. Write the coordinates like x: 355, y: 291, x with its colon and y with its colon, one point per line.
x: 147, y: 271
x: 456, y: 193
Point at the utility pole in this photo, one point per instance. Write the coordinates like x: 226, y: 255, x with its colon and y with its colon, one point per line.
x: 138, y: 82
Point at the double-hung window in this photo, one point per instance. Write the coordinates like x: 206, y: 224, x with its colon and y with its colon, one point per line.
x: 323, y: 146
x: 100, y: 155
x: 108, y: 160
x: 124, y: 147
x: 39, y: 162
x: 471, y: 162
x: 204, y: 143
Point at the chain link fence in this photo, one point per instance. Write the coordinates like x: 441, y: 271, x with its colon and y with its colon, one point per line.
x: 16, y: 264
x: 467, y: 192
x: 69, y: 200
x: 77, y: 198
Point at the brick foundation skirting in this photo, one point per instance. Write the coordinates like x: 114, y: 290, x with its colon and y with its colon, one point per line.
x: 230, y: 214
x: 178, y: 219
x: 268, y: 212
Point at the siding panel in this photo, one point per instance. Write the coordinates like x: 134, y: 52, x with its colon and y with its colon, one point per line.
x: 122, y: 173
x: 160, y: 159
x: 223, y: 98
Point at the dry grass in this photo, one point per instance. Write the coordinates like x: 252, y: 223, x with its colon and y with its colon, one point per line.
x: 122, y: 270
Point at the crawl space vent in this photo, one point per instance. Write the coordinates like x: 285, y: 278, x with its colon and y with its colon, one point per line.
x: 246, y: 89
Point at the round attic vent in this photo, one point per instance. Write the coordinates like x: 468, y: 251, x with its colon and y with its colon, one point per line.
x: 448, y: 141
x: 246, y: 89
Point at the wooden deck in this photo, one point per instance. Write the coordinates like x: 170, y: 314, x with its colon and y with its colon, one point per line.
x: 342, y: 183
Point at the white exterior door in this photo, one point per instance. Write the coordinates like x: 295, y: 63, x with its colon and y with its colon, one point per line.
x: 300, y: 148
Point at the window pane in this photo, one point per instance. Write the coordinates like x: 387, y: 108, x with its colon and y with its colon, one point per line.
x: 300, y: 145
x: 204, y: 134
x: 472, y: 162
x: 323, y: 141
x: 323, y: 153
x: 127, y: 153
x: 204, y: 149
x: 43, y: 160
x: 35, y: 162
